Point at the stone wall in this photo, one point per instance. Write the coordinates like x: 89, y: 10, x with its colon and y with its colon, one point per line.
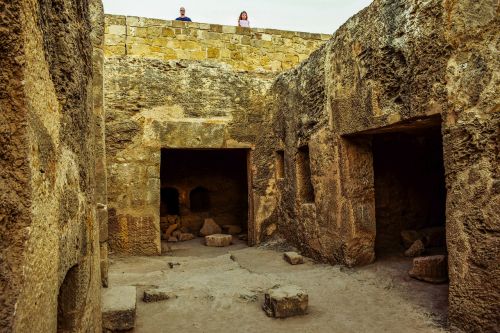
x: 398, y: 66
x: 153, y: 104
x: 243, y: 48
x: 49, y: 258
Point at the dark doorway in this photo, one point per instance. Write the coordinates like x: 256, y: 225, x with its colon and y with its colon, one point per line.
x: 169, y: 201
x: 410, y: 192
x: 68, y: 309
x: 199, y: 200
x: 210, y: 183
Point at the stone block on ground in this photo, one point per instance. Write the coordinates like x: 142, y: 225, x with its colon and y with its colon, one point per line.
x: 170, y: 230
x: 210, y: 228
x: 286, y: 301
x: 293, y: 258
x: 433, y: 269
x: 416, y: 249
x: 185, y: 237
x: 218, y: 240
x: 232, y: 229
x: 157, y: 294
x: 118, y: 308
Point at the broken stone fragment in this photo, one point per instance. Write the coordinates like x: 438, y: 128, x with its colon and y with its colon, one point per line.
x: 210, y: 228
x: 118, y: 308
x: 185, y: 237
x: 157, y: 294
x: 433, y: 269
x: 416, y: 249
x: 408, y: 237
x: 218, y: 240
x: 172, y: 239
x: 170, y: 230
x: 293, y: 258
x: 231, y: 229
x: 286, y: 301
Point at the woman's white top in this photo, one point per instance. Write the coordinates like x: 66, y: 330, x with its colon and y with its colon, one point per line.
x: 245, y: 23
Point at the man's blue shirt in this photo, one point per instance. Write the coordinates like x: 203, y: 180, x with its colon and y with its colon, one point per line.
x: 185, y: 18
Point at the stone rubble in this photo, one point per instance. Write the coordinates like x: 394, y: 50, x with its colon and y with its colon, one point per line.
x: 158, y: 294
x: 293, y: 258
x: 210, y: 228
x: 416, y: 249
x: 218, y: 240
x: 286, y: 301
x: 433, y: 269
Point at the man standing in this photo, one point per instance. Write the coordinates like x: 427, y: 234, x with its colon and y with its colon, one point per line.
x: 183, y: 16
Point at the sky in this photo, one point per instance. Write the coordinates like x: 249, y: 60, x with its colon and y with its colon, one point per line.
x: 323, y: 16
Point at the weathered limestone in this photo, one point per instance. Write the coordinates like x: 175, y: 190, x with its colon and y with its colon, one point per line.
x: 293, y: 258
x: 416, y: 249
x: 158, y: 294
x: 285, y: 301
x: 49, y: 247
x: 218, y: 240
x: 397, y: 67
x: 159, y: 112
x: 118, y: 308
x: 210, y: 228
x: 432, y: 269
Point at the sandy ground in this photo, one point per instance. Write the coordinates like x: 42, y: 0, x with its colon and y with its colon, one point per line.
x: 221, y: 290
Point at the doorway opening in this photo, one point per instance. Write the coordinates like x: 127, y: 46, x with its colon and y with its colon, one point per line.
x: 410, y: 191
x: 68, y: 309
x: 203, y: 184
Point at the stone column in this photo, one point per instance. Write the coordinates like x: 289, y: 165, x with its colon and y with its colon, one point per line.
x: 97, y: 18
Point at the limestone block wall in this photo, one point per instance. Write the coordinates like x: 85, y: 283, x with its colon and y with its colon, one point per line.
x: 153, y: 104
x: 397, y: 65
x: 246, y: 49
x: 49, y: 237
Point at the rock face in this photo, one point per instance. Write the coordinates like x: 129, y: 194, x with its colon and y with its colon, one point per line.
x: 118, y: 308
x: 286, y: 301
x: 210, y: 228
x: 218, y: 240
x: 157, y: 294
x: 332, y: 110
x: 432, y: 269
x: 51, y: 158
x: 293, y: 258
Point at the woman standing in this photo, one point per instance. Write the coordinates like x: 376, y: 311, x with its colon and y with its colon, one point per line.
x: 243, y: 20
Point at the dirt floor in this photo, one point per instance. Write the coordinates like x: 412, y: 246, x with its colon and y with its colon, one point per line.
x: 221, y: 290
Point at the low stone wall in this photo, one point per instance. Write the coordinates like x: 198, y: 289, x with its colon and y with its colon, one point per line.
x: 244, y: 49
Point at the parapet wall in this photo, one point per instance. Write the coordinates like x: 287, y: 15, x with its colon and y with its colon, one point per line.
x: 264, y: 50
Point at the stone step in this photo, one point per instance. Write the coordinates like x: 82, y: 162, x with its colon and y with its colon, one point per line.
x: 118, y: 308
